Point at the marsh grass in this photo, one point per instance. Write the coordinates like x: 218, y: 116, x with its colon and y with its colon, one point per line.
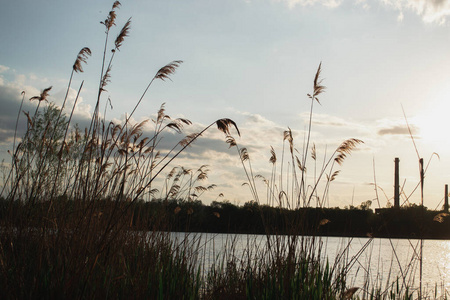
x: 70, y: 226
x: 70, y: 195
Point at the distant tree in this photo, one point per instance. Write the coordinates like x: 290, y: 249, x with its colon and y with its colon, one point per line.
x: 365, y: 205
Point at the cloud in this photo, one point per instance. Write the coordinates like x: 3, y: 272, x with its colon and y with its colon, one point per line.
x: 397, y: 130
x: 325, y: 120
x: 326, y: 3
x: 82, y: 110
x: 395, y: 127
x: 363, y: 4
x: 400, y: 17
x: 11, y: 98
x: 6, y: 136
x: 431, y: 11
x: 3, y: 68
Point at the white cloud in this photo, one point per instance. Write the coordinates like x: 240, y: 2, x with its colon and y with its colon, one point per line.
x: 20, y: 79
x: 3, y: 68
x: 332, y: 3
x: 363, y: 4
x: 326, y: 3
x: 431, y: 11
x: 82, y: 109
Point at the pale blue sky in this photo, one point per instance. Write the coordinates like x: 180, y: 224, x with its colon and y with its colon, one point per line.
x: 254, y: 62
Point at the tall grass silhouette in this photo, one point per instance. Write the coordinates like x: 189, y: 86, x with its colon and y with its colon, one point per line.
x: 70, y: 195
x: 70, y: 226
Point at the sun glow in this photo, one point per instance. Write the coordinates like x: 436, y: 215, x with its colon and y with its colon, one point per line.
x: 434, y: 123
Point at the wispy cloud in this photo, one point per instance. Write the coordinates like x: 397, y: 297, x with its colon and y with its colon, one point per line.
x: 431, y: 11
x: 396, y: 127
x: 397, y: 130
x: 3, y: 68
x: 326, y: 3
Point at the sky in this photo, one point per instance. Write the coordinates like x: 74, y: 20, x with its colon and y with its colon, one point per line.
x: 254, y: 61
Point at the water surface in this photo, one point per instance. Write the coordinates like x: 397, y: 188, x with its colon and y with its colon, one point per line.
x: 378, y: 261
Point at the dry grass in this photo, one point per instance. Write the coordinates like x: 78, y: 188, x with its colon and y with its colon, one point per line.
x: 69, y: 228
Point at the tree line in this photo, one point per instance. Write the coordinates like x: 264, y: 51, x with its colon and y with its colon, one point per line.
x: 251, y: 218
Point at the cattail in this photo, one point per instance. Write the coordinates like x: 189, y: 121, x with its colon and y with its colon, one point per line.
x: 81, y: 58
x: 168, y: 70
x: 43, y: 96
x: 123, y: 33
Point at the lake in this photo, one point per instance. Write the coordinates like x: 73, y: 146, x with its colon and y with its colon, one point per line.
x: 374, y: 260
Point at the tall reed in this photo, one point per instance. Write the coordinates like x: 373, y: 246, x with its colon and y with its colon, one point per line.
x: 71, y: 194
x: 70, y: 223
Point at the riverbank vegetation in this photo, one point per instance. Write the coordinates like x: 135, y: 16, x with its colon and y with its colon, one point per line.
x: 252, y: 218
x: 74, y: 226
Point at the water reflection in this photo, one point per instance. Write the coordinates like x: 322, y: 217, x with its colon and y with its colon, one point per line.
x: 370, y: 260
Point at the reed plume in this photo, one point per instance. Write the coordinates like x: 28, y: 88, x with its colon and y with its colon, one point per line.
x: 318, y: 88
x: 81, y: 58
x: 43, y: 96
x: 116, y: 4
x: 346, y: 148
x: 168, y: 70
x: 124, y: 32
x: 225, y: 124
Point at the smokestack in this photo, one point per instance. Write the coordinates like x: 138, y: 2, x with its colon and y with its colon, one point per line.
x: 446, y: 199
x: 396, y: 184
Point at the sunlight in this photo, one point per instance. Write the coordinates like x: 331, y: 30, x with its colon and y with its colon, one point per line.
x: 433, y: 122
